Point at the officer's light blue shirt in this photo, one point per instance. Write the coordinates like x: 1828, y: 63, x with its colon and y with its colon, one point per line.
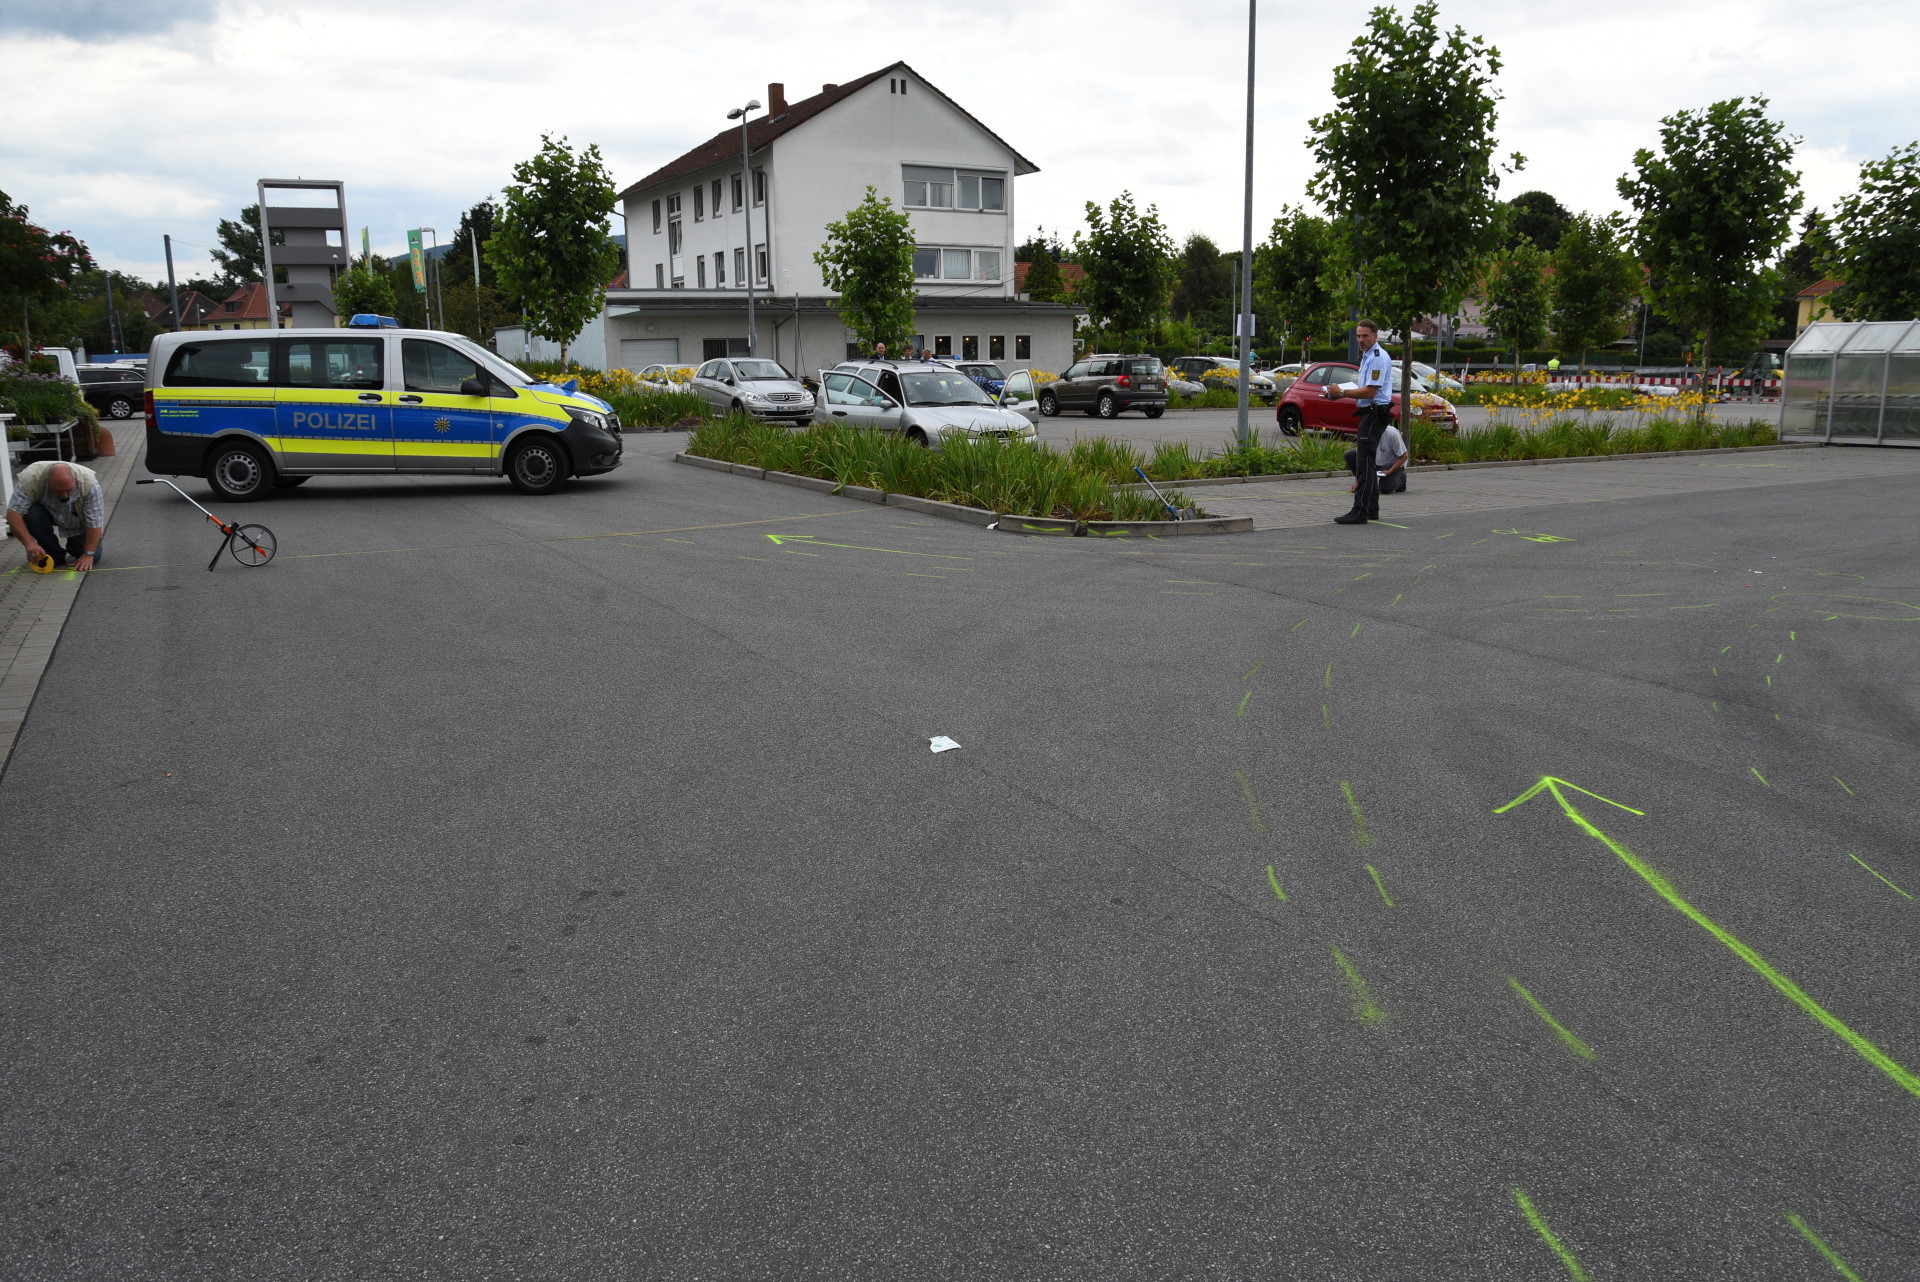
x: 1376, y: 373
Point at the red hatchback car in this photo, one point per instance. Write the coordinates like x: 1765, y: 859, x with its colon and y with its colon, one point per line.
x: 1305, y: 407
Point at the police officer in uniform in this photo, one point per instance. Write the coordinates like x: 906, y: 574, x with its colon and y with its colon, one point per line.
x: 1373, y: 388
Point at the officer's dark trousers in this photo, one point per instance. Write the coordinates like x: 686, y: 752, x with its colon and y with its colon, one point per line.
x: 1373, y: 423
x: 1388, y: 484
x: 40, y: 524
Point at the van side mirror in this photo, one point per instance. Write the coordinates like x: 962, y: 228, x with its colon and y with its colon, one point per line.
x: 473, y: 387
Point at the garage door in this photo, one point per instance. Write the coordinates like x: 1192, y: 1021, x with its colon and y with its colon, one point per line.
x: 638, y: 353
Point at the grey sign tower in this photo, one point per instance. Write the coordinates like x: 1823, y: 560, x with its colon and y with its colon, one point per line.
x: 309, y: 254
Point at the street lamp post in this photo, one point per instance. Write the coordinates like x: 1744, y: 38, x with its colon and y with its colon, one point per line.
x: 1243, y: 326
x: 746, y: 209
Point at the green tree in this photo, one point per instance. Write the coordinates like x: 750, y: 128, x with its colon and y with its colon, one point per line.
x: 239, y: 258
x: 1518, y: 297
x: 1203, y: 285
x: 1041, y: 242
x: 37, y: 267
x: 868, y: 260
x: 1044, y: 283
x: 1539, y: 217
x: 1594, y: 281
x: 1711, y: 209
x: 1876, y: 241
x: 551, y: 244
x: 1296, y: 274
x: 1406, y: 163
x: 476, y: 222
x: 1128, y: 260
x: 364, y: 287
x: 1800, y: 267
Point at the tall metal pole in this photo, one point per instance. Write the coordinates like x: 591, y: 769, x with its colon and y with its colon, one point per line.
x: 173, y: 290
x: 439, y: 296
x: 746, y: 212
x: 1243, y: 327
x: 473, y: 237
x: 113, y: 316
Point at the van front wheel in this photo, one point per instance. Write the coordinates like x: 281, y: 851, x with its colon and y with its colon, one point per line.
x: 239, y: 473
x: 537, y: 466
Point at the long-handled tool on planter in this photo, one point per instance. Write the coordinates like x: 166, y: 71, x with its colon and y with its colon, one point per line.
x: 1178, y: 514
x: 252, y: 545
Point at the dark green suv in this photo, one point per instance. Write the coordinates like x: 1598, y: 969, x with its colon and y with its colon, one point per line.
x: 1108, y: 385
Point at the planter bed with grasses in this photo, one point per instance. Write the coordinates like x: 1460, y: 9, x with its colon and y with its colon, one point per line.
x: 1017, y: 486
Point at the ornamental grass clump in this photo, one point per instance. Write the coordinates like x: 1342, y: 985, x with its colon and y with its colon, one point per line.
x: 1581, y: 438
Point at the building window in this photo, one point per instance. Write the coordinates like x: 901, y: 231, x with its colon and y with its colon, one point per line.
x: 700, y: 204
x: 759, y: 186
x: 929, y: 188
x: 943, y: 344
x: 997, y: 347
x: 659, y: 275
x: 970, y: 347
x: 673, y: 206
x: 740, y: 266
x: 716, y: 198
x: 955, y: 264
x: 656, y: 218
x: 700, y: 271
x: 736, y: 193
x: 760, y: 262
x: 673, y: 236
x: 1023, y: 347
x: 719, y: 269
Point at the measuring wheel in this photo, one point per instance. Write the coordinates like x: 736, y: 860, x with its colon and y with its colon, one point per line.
x: 252, y: 545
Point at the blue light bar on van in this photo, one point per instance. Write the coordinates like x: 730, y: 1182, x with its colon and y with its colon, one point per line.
x: 367, y: 320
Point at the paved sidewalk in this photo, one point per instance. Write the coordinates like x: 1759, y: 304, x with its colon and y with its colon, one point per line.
x: 1286, y: 504
x: 33, y: 607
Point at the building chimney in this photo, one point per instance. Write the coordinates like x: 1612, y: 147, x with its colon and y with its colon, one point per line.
x: 776, y: 100
x: 828, y: 88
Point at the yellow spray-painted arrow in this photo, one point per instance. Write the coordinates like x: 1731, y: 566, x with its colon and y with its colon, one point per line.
x: 1906, y: 1079
x: 809, y: 541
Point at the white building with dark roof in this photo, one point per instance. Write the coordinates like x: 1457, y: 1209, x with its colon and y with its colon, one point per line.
x: 697, y: 226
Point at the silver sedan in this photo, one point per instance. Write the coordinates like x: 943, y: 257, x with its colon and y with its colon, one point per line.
x: 751, y: 385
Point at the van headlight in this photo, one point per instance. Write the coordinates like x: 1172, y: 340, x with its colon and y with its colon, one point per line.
x: 588, y: 418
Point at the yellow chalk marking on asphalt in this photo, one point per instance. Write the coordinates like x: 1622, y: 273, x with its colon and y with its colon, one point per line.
x: 1572, y: 1043
x: 1329, y: 678
x: 1863, y: 863
x: 1253, y: 803
x: 1899, y: 1073
x: 1757, y: 775
x: 1379, y: 885
x: 1273, y: 879
x: 1326, y: 722
x: 791, y: 552
x: 814, y: 540
x: 1725, y: 648
x: 1361, y: 835
x: 1296, y: 627
x: 1365, y: 1009
x: 1396, y: 598
x: 1248, y: 675
x: 1243, y: 704
x: 1842, y: 782
x: 1356, y: 629
x: 1827, y: 1253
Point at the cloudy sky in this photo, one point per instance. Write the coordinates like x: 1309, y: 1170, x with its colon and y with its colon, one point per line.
x: 132, y: 118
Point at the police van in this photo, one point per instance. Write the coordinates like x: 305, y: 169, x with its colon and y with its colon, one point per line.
x: 252, y: 411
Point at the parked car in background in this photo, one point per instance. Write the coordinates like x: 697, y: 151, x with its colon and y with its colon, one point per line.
x: 1109, y: 384
x: 1437, y: 380
x: 117, y: 391
x: 985, y: 373
x: 1179, y: 386
x: 756, y: 386
x: 1305, y: 406
x: 667, y: 378
x: 921, y: 400
x: 1200, y: 369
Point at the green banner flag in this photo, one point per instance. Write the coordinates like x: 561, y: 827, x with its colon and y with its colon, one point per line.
x: 419, y: 259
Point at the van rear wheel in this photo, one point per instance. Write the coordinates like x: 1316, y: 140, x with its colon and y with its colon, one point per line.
x: 537, y: 466
x: 239, y: 473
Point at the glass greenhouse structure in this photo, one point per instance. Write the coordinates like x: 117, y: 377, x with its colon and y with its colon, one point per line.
x: 1855, y: 382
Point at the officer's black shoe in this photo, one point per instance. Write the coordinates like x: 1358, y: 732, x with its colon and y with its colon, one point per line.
x: 1351, y: 518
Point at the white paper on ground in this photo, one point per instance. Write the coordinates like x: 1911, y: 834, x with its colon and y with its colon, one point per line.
x: 943, y: 744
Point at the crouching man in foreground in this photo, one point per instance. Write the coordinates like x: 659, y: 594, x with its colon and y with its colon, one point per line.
x: 56, y: 511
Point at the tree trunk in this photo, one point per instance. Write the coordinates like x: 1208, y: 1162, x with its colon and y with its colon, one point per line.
x: 1406, y: 383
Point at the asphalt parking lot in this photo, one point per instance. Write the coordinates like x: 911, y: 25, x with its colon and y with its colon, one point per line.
x: 496, y: 887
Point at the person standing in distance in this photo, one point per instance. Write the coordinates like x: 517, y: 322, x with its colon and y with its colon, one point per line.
x: 1373, y: 388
